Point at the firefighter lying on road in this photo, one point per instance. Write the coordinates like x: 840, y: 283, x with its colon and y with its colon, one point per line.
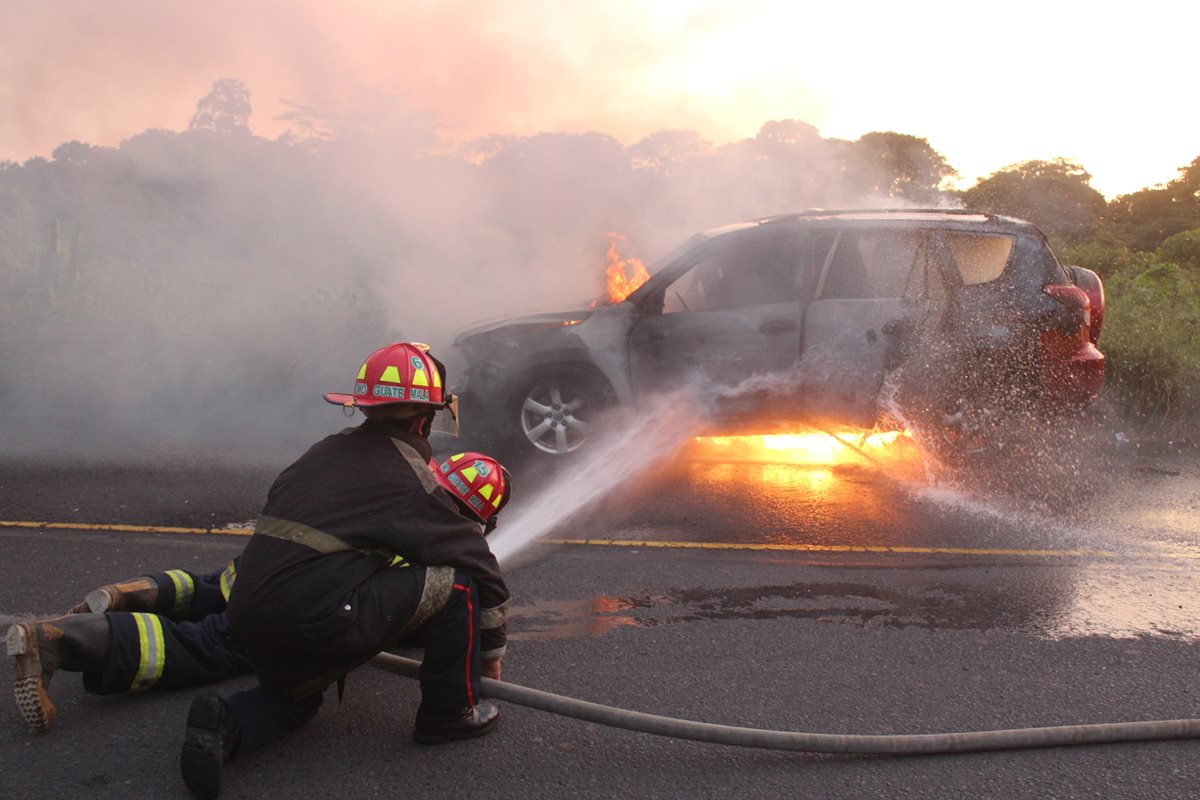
x: 168, y: 630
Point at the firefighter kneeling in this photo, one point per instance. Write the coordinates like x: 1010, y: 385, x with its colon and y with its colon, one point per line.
x: 357, y: 549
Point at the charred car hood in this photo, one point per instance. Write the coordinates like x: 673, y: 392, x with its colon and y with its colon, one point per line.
x: 519, y: 324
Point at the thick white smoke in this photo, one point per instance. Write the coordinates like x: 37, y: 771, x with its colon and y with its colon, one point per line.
x: 195, y: 292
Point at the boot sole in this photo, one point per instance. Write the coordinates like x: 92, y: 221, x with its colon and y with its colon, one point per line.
x: 454, y: 736
x: 202, y: 757
x: 30, y: 692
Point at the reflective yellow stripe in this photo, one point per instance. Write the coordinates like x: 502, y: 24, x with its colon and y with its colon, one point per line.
x: 227, y: 579
x: 398, y: 562
x: 152, y: 651
x: 362, y: 372
x: 143, y: 646
x: 390, y: 375
x: 419, y: 378
x: 177, y: 582
x: 437, y: 379
x: 185, y: 587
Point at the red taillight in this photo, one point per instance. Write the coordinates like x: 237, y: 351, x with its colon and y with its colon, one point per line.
x: 1091, y: 284
x: 1072, y: 367
x: 1073, y: 297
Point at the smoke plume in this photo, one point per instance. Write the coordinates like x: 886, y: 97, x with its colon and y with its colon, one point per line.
x: 196, y: 291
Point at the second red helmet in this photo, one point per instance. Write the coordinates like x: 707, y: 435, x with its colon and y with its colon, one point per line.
x: 479, y: 482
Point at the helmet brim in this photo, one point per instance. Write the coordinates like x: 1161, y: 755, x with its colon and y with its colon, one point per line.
x: 350, y: 401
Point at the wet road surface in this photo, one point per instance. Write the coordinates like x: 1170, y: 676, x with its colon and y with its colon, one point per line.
x: 892, y: 604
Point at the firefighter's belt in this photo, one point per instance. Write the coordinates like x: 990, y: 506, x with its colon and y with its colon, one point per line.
x: 438, y: 580
x: 311, y: 538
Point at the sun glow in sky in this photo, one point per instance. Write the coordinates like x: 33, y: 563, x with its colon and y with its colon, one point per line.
x: 988, y: 85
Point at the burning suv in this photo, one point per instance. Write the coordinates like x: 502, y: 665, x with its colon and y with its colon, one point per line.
x: 952, y: 321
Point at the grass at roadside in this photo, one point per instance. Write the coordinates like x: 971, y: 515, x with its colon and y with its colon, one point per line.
x: 1151, y: 331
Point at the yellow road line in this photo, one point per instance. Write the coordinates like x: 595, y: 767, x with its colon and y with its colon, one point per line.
x: 88, y: 526
x: 849, y: 548
x: 1083, y: 552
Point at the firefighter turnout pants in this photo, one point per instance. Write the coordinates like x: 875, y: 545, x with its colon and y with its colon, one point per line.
x: 450, y: 678
x: 187, y: 641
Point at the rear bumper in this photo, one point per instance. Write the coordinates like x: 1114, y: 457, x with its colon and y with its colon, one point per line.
x: 1074, y: 378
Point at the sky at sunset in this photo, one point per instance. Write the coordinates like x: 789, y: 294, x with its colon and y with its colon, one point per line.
x: 1109, y: 85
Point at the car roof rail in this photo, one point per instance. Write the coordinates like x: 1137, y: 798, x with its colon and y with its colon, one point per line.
x: 832, y: 212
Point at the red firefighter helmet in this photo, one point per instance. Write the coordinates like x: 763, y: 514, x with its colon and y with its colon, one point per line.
x: 403, y: 372
x: 479, y: 482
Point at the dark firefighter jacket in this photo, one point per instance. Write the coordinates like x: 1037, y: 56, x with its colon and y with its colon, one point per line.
x: 371, y: 488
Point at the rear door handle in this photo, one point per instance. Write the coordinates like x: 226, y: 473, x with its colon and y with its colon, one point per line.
x: 776, y: 326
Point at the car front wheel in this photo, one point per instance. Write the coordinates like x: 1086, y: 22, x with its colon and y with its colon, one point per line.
x: 557, y: 412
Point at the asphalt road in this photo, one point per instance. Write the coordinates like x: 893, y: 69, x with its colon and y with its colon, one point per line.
x: 891, y: 602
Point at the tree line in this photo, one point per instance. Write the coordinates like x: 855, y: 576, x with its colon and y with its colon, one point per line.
x: 155, y: 274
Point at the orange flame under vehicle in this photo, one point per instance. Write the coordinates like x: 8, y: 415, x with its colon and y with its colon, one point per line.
x: 811, y: 446
x: 954, y: 321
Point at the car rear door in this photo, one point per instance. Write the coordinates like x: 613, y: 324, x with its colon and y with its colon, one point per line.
x: 869, y: 287
x: 734, y: 312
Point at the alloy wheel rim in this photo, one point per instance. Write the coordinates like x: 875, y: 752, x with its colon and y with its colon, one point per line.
x: 550, y: 419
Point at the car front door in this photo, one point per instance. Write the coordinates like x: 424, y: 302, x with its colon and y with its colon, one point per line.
x: 734, y: 312
x: 871, y: 286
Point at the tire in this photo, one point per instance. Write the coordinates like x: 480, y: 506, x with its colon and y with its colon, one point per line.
x: 553, y: 414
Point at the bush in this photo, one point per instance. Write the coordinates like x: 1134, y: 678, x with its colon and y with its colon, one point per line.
x: 1105, y: 259
x: 1182, y: 249
x: 1152, y: 339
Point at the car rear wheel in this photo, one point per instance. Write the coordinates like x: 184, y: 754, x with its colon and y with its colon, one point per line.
x: 557, y: 412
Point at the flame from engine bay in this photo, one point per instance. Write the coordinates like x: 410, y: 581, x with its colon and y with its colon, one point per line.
x: 621, y: 276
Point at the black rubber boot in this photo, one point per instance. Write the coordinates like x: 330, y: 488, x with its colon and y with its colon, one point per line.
x: 137, y: 594
x: 76, y: 642
x: 212, y: 739
x: 440, y: 727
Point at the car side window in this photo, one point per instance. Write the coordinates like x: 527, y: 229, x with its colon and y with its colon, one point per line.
x: 769, y: 270
x: 868, y: 264
x: 980, y: 258
x: 925, y: 286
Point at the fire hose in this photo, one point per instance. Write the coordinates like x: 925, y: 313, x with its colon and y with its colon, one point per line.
x: 887, y: 744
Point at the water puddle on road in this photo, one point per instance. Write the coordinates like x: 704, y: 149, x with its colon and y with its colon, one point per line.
x: 933, y: 607
x: 604, y: 613
x: 1066, y: 602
